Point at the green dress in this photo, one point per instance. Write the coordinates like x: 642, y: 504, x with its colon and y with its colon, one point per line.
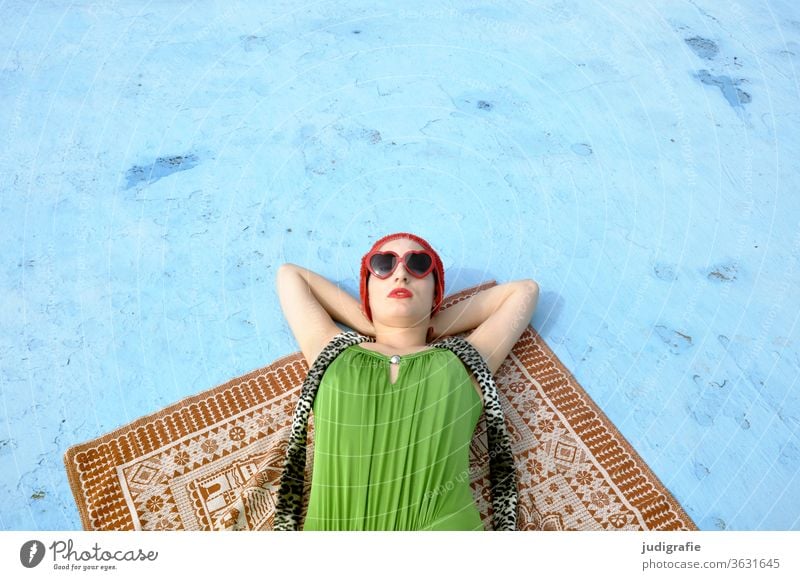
x: 393, y: 456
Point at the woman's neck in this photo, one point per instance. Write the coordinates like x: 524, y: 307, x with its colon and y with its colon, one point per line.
x: 400, y: 339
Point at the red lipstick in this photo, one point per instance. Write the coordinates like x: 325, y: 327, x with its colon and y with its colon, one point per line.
x: 400, y: 293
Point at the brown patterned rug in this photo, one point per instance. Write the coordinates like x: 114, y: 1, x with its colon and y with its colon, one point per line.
x: 214, y: 460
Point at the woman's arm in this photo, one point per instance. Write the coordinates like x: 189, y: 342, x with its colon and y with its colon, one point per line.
x: 499, y: 314
x: 311, y: 304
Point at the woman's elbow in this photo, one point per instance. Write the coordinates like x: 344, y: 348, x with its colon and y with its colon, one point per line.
x: 285, y: 267
x: 529, y: 285
x: 531, y: 289
x: 282, y: 272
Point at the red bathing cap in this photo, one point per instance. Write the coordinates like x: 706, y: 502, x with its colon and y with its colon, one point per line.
x: 438, y: 269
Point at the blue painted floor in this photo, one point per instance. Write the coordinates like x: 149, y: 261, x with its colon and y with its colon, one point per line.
x: 160, y: 160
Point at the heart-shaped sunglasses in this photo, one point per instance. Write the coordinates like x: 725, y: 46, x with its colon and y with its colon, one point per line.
x: 381, y: 264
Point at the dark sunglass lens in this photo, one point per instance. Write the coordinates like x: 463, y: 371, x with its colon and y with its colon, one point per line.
x: 419, y: 263
x: 382, y: 264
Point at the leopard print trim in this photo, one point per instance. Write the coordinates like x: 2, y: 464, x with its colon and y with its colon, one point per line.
x: 502, y: 471
x: 289, y: 505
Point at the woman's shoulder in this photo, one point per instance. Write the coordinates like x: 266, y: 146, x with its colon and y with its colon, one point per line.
x: 337, y: 344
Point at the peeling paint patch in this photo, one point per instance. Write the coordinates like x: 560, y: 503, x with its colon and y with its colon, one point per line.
x: 253, y: 42
x: 161, y: 167
x: 705, y: 410
x: 700, y: 470
x: 373, y: 135
x: 665, y: 272
x: 6, y: 446
x: 703, y: 47
x: 38, y: 495
x: 790, y: 454
x: 677, y: 341
x: 723, y: 273
x: 702, y: 418
x: 582, y: 149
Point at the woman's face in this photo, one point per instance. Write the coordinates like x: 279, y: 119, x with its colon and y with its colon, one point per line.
x: 407, y: 311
